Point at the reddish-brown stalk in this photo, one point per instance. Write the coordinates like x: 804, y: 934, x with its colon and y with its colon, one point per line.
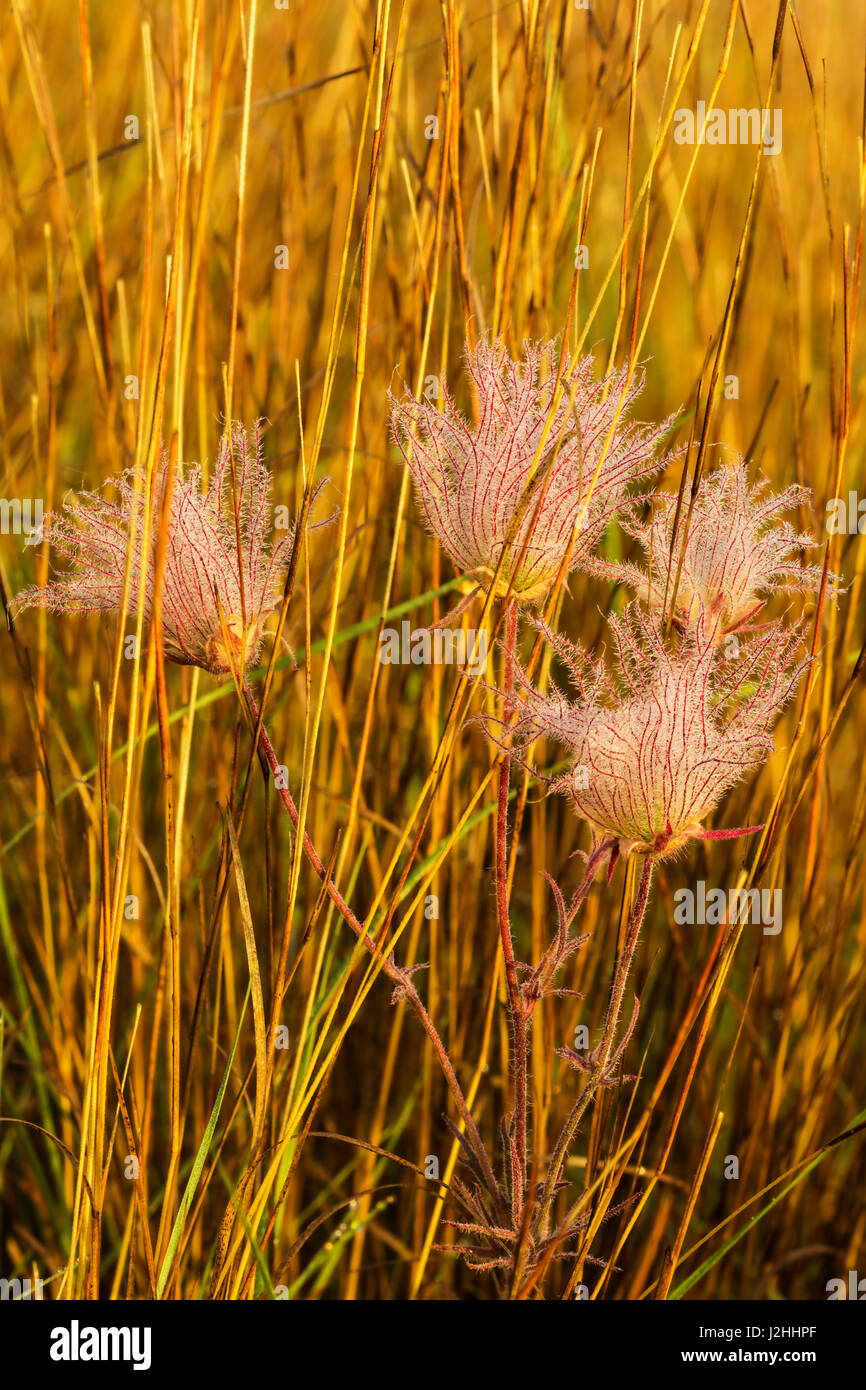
x: 400, y: 978
x: 517, y: 1017
x: 600, y: 1058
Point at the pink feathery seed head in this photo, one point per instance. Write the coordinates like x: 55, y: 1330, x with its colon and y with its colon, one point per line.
x: 656, y: 745
x: 496, y: 482
x: 215, y: 600
x: 736, y: 551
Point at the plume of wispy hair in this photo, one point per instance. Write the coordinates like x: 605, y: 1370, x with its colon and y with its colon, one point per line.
x: 471, y: 480
x: 658, y: 730
x: 209, y: 580
x: 737, y: 550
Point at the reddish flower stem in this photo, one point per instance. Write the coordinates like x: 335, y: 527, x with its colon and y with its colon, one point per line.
x: 603, y: 1051
x: 517, y: 1014
x: 401, y: 978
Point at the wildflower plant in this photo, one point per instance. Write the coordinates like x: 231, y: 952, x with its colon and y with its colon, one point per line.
x: 658, y: 732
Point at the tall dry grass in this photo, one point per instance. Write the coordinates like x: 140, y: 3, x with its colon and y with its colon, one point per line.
x: 157, y: 1138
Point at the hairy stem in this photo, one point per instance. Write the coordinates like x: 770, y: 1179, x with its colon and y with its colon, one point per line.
x: 605, y: 1047
x: 401, y: 978
x: 517, y: 1015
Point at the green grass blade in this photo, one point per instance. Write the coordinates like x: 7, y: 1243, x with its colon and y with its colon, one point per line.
x: 195, y: 1174
x: 692, y: 1279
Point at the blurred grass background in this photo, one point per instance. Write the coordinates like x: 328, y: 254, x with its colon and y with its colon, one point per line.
x: 298, y: 138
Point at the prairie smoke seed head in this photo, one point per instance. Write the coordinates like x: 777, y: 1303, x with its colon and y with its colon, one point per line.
x: 737, y: 552
x: 497, y: 482
x: 207, y: 586
x: 656, y: 746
